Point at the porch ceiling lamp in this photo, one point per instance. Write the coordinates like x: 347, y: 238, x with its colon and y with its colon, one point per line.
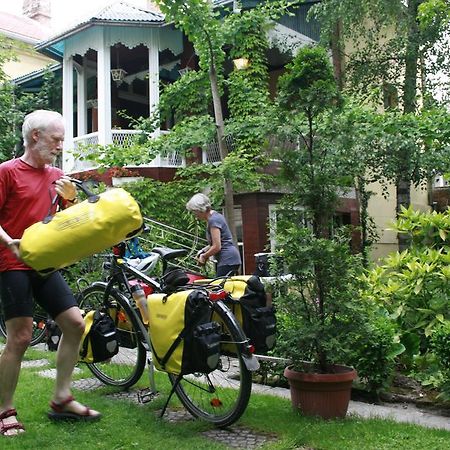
x: 118, y: 75
x: 241, y: 63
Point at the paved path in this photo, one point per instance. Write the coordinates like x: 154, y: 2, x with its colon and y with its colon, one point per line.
x: 404, y: 412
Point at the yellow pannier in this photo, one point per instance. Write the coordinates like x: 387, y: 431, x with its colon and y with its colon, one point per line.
x: 184, y: 340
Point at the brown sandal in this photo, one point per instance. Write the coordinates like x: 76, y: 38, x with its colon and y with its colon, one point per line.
x: 58, y: 412
x: 5, y: 427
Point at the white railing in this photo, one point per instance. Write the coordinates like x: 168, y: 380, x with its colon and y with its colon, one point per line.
x: 123, y: 138
x: 83, y: 145
x: 87, y: 139
x: 211, y: 154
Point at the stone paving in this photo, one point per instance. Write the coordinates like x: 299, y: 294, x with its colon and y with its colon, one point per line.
x: 235, y: 437
x: 239, y: 437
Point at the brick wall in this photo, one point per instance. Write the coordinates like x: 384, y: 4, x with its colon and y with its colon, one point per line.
x: 441, y: 197
x: 255, y: 224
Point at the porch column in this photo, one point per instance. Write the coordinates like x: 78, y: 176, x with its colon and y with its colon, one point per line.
x: 153, y: 72
x: 67, y: 106
x: 104, y: 93
x: 81, y: 99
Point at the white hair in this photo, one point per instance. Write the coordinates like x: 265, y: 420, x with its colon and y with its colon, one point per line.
x: 38, y: 120
x: 199, y: 202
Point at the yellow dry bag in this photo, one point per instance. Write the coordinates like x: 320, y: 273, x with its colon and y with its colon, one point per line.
x: 86, y: 228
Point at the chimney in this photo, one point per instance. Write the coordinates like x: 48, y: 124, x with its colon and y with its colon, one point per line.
x: 38, y: 10
x: 151, y: 6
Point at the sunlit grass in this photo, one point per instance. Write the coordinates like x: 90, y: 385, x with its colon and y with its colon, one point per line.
x: 126, y: 424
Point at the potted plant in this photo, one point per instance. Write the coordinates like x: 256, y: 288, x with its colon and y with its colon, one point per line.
x: 319, y: 312
x: 320, y: 318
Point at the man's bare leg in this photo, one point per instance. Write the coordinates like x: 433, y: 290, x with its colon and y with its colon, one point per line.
x: 71, y: 324
x: 19, y: 331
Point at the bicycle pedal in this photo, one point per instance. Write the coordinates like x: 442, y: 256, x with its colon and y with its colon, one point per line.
x: 146, y: 395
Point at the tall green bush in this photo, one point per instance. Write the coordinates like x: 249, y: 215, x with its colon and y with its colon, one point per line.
x: 323, y: 318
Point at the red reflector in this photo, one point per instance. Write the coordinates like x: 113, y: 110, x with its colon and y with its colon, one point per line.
x: 251, y: 348
x: 215, y: 402
x: 116, y: 251
x: 217, y: 295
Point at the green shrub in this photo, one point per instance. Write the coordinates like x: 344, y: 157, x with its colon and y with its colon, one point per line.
x: 349, y: 328
x: 441, y: 346
x: 414, y: 286
x: 440, y: 343
x: 374, y: 352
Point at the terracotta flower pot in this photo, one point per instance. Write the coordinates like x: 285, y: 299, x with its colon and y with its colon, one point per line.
x: 326, y: 395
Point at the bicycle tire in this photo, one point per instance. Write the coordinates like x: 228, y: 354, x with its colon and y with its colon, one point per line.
x: 40, y: 318
x: 229, y: 385
x: 126, y: 368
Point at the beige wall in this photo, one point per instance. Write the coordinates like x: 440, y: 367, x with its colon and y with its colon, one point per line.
x: 28, y: 60
x: 382, y: 210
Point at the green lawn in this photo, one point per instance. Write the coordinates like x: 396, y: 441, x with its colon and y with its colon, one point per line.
x: 127, y: 425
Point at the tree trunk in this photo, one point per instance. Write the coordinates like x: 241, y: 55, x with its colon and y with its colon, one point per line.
x: 363, y: 201
x: 337, y: 55
x: 227, y: 185
x: 403, y: 188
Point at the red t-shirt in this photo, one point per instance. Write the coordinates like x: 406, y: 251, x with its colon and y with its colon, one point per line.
x: 26, y: 194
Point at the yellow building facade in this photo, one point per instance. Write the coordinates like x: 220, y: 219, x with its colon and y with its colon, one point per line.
x: 24, y: 31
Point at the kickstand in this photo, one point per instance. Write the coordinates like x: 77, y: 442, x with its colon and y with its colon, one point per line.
x: 171, y: 393
x: 151, y: 373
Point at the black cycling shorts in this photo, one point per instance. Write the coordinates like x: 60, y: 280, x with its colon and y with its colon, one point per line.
x: 20, y: 287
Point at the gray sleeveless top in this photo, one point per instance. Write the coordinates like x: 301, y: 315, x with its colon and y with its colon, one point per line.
x: 229, y: 254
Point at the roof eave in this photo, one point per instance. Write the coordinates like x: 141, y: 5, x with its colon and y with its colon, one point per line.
x: 43, y: 45
x: 35, y: 74
x: 19, y: 37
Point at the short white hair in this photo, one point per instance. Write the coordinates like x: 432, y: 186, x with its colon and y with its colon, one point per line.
x: 38, y: 120
x: 199, y: 203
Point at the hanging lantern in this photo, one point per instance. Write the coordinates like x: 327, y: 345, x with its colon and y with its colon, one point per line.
x: 118, y: 75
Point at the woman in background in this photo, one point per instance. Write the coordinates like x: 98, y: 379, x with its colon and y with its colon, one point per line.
x: 218, y: 235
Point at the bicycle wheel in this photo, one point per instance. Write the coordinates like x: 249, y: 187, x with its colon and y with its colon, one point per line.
x: 40, y: 318
x: 221, y: 396
x: 126, y: 367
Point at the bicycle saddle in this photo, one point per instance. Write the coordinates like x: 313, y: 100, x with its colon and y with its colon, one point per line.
x: 146, y: 264
x: 170, y: 253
